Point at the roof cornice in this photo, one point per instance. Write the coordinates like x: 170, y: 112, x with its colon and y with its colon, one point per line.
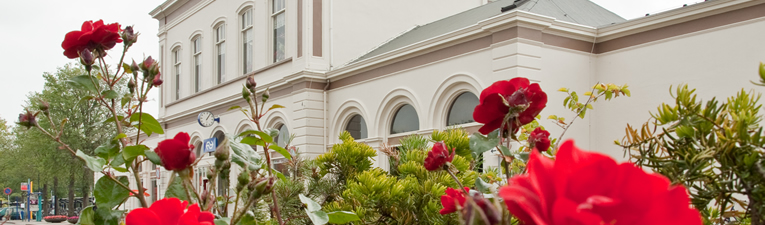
x: 166, y: 8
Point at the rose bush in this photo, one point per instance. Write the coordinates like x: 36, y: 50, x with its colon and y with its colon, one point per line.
x: 93, y: 36
x: 513, y: 102
x: 590, y: 188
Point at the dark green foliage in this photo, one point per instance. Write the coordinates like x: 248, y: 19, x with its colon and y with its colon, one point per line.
x: 346, y: 159
x: 713, y: 148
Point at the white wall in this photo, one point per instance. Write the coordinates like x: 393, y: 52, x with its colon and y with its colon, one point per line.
x: 717, y: 62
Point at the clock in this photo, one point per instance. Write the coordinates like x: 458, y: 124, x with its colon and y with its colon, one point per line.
x: 207, y: 119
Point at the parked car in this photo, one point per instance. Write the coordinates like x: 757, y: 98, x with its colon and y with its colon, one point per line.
x: 12, y: 212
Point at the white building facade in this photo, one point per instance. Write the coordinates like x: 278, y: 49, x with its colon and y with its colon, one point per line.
x: 387, y: 69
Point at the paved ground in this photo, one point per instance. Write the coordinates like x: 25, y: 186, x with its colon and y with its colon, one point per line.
x: 19, y: 222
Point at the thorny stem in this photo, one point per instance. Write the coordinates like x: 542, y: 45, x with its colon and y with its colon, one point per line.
x: 469, y: 198
x: 575, y: 116
x: 256, y: 119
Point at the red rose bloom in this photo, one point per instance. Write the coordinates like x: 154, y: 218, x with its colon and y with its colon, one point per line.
x: 539, y: 139
x: 525, y: 102
x: 451, y: 199
x: 92, y: 36
x: 590, y: 188
x: 169, y: 211
x: 438, y: 156
x: 176, y: 154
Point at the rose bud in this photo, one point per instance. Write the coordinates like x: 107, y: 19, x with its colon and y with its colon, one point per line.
x: 246, y: 94
x: 27, y: 119
x: 539, y: 139
x: 147, y: 63
x: 134, y: 67
x: 129, y: 36
x: 44, y: 105
x: 438, y: 156
x: 157, y: 81
x: 222, y: 153
x: 250, y: 84
x: 176, y: 154
x: 87, y: 59
x: 131, y: 86
x: 266, y: 95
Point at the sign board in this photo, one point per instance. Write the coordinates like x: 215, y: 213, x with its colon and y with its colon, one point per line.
x: 25, y: 186
x: 209, y: 145
x: 7, y: 191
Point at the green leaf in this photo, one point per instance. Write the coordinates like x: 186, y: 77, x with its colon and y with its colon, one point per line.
x: 126, y: 67
x: 276, y: 106
x: 109, y: 194
x: 281, y: 150
x: 131, y: 152
x: 153, y: 157
x: 82, y: 82
x: 480, y: 144
x: 110, y: 94
x: 482, y: 186
x: 248, y: 219
x: 234, y: 107
x: 125, y: 99
x: 318, y: 217
x: 273, y: 132
x: 267, y: 138
x: 250, y: 140
x: 93, y: 163
x: 523, y: 156
x: 118, y: 161
x: 111, y: 119
x: 609, y: 94
x: 175, y: 189
x: 120, y: 169
x: 87, y: 216
x: 120, y: 136
x: 504, y: 150
x: 342, y: 217
x: 221, y: 222
x: 279, y: 175
x: 149, y: 125
x: 310, y: 203
x: 108, y: 150
x: 107, y: 216
x: 242, y: 154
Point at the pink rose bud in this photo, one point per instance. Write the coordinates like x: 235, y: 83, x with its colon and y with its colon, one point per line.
x: 27, y: 119
x: 157, y: 81
x: 134, y: 67
x: 129, y: 36
x: 251, y: 84
x: 147, y: 63
x: 86, y: 58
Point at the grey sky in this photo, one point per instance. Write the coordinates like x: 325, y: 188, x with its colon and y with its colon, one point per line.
x: 31, y: 42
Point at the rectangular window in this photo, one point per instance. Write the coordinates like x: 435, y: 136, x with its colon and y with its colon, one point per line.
x: 177, y: 72
x: 278, y: 17
x: 197, y: 49
x: 247, y: 41
x: 220, y: 49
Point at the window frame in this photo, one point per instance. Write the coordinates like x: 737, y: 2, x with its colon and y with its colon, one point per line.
x: 451, y: 107
x: 274, y: 16
x: 177, y: 69
x: 219, y: 42
x: 395, y: 114
x: 247, y: 25
x: 196, y: 67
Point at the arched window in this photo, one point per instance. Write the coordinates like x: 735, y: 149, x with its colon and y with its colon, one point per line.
x: 357, y: 127
x: 406, y: 120
x: 284, y: 135
x: 461, y: 111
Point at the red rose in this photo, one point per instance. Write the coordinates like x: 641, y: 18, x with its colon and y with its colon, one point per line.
x: 96, y: 37
x: 539, y: 139
x: 451, y: 199
x: 169, y: 211
x: 524, y: 102
x: 177, y: 153
x: 438, y: 156
x: 590, y: 188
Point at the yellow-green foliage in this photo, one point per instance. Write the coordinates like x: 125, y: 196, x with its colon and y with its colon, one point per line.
x: 455, y: 138
x: 346, y: 159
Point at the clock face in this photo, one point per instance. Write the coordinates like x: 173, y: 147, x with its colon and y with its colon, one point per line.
x: 206, y: 119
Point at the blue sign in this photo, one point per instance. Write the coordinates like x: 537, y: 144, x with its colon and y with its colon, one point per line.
x: 8, y: 191
x: 209, y: 145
